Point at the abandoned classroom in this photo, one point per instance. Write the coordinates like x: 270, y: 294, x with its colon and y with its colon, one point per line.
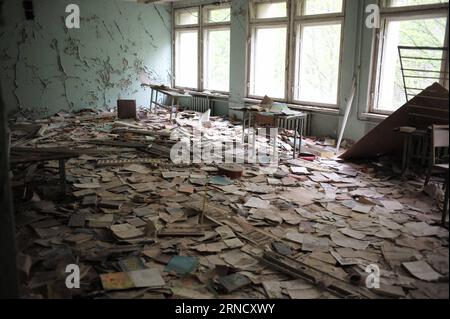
x: 252, y: 149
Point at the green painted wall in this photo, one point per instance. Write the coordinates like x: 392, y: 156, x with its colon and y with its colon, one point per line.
x: 47, y: 67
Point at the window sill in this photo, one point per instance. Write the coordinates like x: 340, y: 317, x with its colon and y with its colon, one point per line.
x: 220, y: 95
x: 209, y: 94
x: 316, y: 109
x: 309, y: 108
x: 374, y: 116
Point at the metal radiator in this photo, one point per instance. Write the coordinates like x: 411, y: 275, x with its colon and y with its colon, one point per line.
x: 291, y: 125
x: 197, y: 104
x: 201, y: 104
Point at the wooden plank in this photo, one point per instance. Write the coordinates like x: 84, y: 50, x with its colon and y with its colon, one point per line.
x: 179, y: 232
x: 120, y: 162
x: 300, y: 270
x: 116, y: 143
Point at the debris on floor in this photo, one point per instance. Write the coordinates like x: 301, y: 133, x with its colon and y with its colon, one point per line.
x: 140, y: 226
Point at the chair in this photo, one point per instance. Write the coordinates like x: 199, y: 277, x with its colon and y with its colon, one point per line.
x: 439, y: 160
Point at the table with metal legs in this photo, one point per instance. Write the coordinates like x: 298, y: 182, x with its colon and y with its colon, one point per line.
x: 33, y: 157
x: 174, y: 95
x: 281, y: 120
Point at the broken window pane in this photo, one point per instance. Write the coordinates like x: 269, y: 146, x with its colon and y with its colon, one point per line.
x: 186, y: 16
x: 186, y: 58
x: 217, y: 59
x: 317, y: 67
x: 265, y: 10
x: 418, y: 32
x: 268, y: 61
x: 312, y: 7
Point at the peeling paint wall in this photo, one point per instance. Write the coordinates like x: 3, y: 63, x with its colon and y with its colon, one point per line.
x: 47, y: 67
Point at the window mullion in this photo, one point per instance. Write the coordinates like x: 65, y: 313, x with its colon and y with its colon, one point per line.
x: 205, y: 57
x: 253, y: 44
x: 172, y: 78
x: 200, y: 49
x: 301, y: 8
x: 298, y: 62
x: 250, y: 58
x: 444, y: 65
x: 290, y: 54
x: 382, y: 35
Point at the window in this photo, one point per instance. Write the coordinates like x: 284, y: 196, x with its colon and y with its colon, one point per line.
x: 186, y: 58
x: 306, y: 72
x: 217, y: 59
x: 268, y: 63
x: 405, y: 27
x: 318, y: 50
x: 317, y: 70
x: 265, y: 10
x: 187, y: 16
x: 202, y: 47
x: 312, y: 7
x: 217, y: 15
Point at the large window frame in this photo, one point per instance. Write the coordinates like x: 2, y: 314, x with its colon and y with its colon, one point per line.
x: 202, y: 27
x: 400, y: 13
x: 251, y: 61
x: 293, y: 22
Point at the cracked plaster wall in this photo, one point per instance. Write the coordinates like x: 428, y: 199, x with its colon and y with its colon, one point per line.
x: 47, y: 67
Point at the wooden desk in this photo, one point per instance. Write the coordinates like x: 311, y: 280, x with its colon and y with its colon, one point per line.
x: 39, y: 155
